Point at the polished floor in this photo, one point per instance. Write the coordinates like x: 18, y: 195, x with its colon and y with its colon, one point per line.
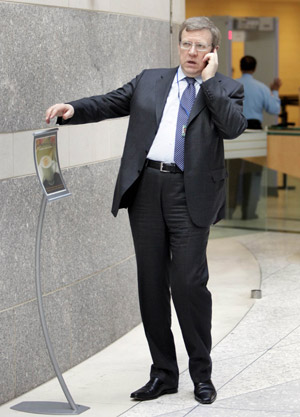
x: 256, y: 342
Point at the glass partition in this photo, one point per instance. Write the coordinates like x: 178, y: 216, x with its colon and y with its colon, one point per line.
x: 259, y: 198
x: 283, y: 208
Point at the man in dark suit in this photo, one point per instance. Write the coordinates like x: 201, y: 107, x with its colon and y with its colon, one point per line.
x: 172, y: 180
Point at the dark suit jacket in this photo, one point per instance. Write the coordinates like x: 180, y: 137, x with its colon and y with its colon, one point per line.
x: 216, y: 115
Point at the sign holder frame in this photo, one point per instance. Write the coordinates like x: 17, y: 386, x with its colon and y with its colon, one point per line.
x: 47, y: 166
x: 51, y: 192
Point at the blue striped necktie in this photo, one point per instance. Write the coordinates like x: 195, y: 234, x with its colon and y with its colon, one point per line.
x: 186, y: 104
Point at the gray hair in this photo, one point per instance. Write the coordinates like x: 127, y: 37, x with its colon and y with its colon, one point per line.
x: 199, y: 23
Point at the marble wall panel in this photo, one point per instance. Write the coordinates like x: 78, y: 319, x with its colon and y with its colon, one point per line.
x: 33, y: 365
x: 68, y: 54
x: 123, y: 289
x: 80, y: 236
x: 7, y: 356
x: 88, y: 274
x: 82, y: 319
x: 19, y: 208
x: 156, y: 9
x: 174, y: 45
x: 104, y: 308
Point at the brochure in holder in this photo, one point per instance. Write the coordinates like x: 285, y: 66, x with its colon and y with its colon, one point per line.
x: 47, y: 164
x: 54, y: 187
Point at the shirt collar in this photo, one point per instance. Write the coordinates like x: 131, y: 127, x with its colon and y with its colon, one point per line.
x: 181, y: 76
x: 247, y: 75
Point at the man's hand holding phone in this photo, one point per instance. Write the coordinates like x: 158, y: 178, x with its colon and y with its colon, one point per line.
x: 212, y: 63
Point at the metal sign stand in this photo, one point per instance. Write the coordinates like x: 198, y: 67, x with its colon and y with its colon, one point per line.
x: 46, y: 407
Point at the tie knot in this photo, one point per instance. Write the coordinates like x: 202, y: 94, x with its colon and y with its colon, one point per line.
x: 190, y: 80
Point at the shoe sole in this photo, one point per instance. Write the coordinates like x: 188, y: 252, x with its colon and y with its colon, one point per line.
x: 206, y: 402
x: 166, y: 391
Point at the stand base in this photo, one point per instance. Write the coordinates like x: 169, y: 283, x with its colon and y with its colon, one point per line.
x: 256, y: 294
x: 47, y: 407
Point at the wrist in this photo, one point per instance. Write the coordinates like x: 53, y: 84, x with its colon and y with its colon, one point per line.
x: 206, y: 78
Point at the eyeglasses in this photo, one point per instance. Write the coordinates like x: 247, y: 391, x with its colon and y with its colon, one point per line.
x: 187, y: 45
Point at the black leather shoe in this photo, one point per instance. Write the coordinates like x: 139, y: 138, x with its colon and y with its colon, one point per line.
x: 205, y: 392
x: 153, y: 389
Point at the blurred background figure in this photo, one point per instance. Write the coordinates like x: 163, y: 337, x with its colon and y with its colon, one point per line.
x: 245, y: 177
x: 258, y: 97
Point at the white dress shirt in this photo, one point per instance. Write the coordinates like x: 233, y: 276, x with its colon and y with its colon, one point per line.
x: 162, y: 148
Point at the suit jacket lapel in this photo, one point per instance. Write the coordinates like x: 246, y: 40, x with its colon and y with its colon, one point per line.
x: 198, y: 106
x: 199, y: 103
x: 162, y: 88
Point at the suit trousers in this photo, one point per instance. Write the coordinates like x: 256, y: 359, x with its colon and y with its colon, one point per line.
x: 171, y: 261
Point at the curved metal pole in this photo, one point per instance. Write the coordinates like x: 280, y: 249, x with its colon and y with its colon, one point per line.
x: 40, y: 305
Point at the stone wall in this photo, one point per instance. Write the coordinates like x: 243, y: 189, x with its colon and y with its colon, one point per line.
x: 51, y: 51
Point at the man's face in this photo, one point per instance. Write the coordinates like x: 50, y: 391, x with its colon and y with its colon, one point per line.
x: 191, y: 60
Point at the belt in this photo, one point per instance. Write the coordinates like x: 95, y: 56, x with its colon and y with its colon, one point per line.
x: 254, y: 124
x: 163, y: 166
